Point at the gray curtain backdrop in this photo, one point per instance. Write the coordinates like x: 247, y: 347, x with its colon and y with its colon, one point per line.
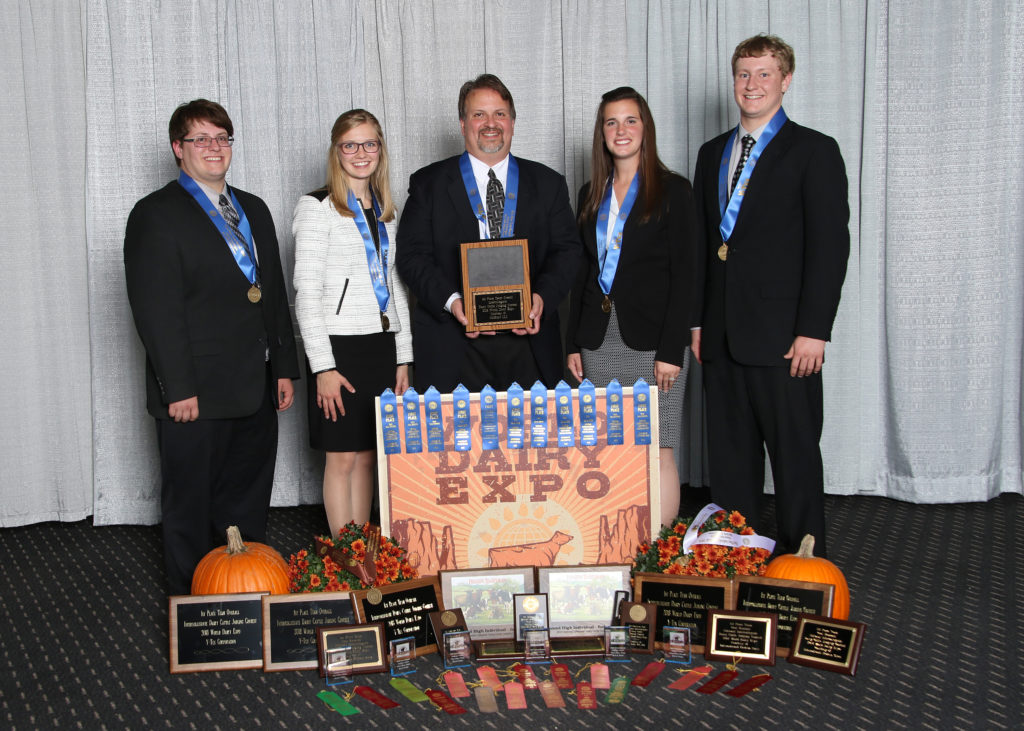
x: 923, y: 384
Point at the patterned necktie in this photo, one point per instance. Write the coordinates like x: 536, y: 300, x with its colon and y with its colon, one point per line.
x: 231, y: 218
x: 495, y: 204
x: 748, y: 143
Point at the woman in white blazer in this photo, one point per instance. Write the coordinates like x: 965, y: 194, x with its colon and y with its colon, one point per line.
x: 352, y: 310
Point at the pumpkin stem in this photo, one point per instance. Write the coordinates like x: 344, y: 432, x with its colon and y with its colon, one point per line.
x: 806, y: 547
x: 235, y: 542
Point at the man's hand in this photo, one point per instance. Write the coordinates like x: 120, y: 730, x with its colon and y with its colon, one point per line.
x: 328, y: 393
x: 535, y: 313
x: 695, y: 344
x: 285, y: 393
x: 805, y: 356
x: 460, y: 314
x: 185, y: 410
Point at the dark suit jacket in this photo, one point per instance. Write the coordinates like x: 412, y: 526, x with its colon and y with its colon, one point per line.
x: 437, y: 218
x: 787, y: 253
x: 202, y: 335
x: 651, y: 289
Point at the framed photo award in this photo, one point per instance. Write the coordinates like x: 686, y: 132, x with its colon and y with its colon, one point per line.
x: 496, y: 284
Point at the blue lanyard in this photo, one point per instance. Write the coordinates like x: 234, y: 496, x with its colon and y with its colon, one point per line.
x: 608, y: 251
x: 244, y: 255
x: 508, y: 220
x: 730, y: 207
x: 377, y: 264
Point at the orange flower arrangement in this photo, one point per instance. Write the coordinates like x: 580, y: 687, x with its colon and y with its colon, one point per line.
x: 308, y: 571
x: 666, y: 554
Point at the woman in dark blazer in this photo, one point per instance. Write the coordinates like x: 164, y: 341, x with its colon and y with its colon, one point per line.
x: 637, y: 221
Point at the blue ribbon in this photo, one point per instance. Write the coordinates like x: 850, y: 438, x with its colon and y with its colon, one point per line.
x: 641, y: 412
x: 588, y: 413
x: 460, y: 418
x: 245, y: 256
x: 389, y: 422
x: 488, y: 418
x: 730, y: 208
x: 613, y: 411
x: 435, y: 424
x: 538, y: 415
x: 378, y: 265
x: 508, y: 217
x: 609, y: 251
x: 563, y: 415
x: 515, y: 419
x: 413, y: 428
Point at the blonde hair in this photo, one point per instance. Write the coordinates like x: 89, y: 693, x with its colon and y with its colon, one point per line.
x: 337, y: 179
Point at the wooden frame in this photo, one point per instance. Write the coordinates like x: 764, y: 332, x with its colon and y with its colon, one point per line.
x: 390, y: 605
x: 367, y: 642
x: 640, y: 621
x: 459, y: 585
x: 585, y: 621
x: 294, y: 636
x: 827, y: 644
x: 204, y: 627
x: 489, y: 299
x: 683, y: 601
x: 738, y: 636
x: 788, y: 598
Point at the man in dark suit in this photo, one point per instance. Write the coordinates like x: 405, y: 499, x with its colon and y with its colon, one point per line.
x: 515, y: 198
x: 208, y: 297
x: 774, y: 217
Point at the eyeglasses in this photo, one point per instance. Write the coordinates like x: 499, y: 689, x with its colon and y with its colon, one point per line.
x: 206, y: 140
x: 350, y: 148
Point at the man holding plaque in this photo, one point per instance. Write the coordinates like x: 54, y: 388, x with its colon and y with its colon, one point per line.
x: 485, y: 193
x: 207, y: 294
x: 773, y: 215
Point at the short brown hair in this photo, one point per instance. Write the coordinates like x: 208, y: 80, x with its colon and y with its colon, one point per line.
x: 764, y: 44
x: 486, y: 81
x: 197, y: 110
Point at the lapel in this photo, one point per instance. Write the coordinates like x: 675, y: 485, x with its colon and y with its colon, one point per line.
x: 465, y: 223
x: 762, y: 175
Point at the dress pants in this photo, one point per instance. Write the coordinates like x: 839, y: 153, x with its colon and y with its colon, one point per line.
x: 216, y: 473
x: 498, y: 360
x: 753, y: 407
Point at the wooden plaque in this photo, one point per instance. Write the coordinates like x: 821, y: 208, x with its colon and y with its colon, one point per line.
x: 640, y: 621
x: 736, y: 636
x: 365, y: 643
x: 496, y: 284
x: 785, y: 597
x: 684, y: 601
x: 216, y: 632
x: 290, y: 622
x: 404, y: 610
x: 827, y: 644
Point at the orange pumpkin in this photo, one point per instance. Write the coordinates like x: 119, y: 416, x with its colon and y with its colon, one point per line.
x: 241, y: 567
x: 804, y: 566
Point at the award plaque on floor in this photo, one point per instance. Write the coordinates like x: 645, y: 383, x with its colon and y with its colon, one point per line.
x: 496, y: 284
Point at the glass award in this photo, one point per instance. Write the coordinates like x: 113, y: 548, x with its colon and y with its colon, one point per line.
x: 677, y: 645
x: 536, y: 645
x: 338, y: 665
x: 616, y: 644
x: 456, y: 647
x: 402, y: 652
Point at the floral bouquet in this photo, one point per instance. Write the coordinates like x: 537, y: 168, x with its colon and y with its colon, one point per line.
x: 357, y: 558
x: 717, y: 543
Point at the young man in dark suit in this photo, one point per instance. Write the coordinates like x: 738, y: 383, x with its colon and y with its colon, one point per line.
x: 773, y: 212
x: 208, y: 297
x: 454, y: 201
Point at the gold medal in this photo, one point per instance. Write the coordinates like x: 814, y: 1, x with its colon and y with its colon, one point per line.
x: 384, y: 321
x: 374, y: 596
x: 723, y: 251
x: 606, y: 306
x: 448, y: 618
x: 637, y: 613
x: 254, y: 294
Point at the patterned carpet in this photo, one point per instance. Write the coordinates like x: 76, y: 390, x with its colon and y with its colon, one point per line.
x: 84, y: 638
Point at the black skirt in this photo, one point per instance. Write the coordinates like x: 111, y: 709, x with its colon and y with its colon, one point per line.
x: 369, y: 363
